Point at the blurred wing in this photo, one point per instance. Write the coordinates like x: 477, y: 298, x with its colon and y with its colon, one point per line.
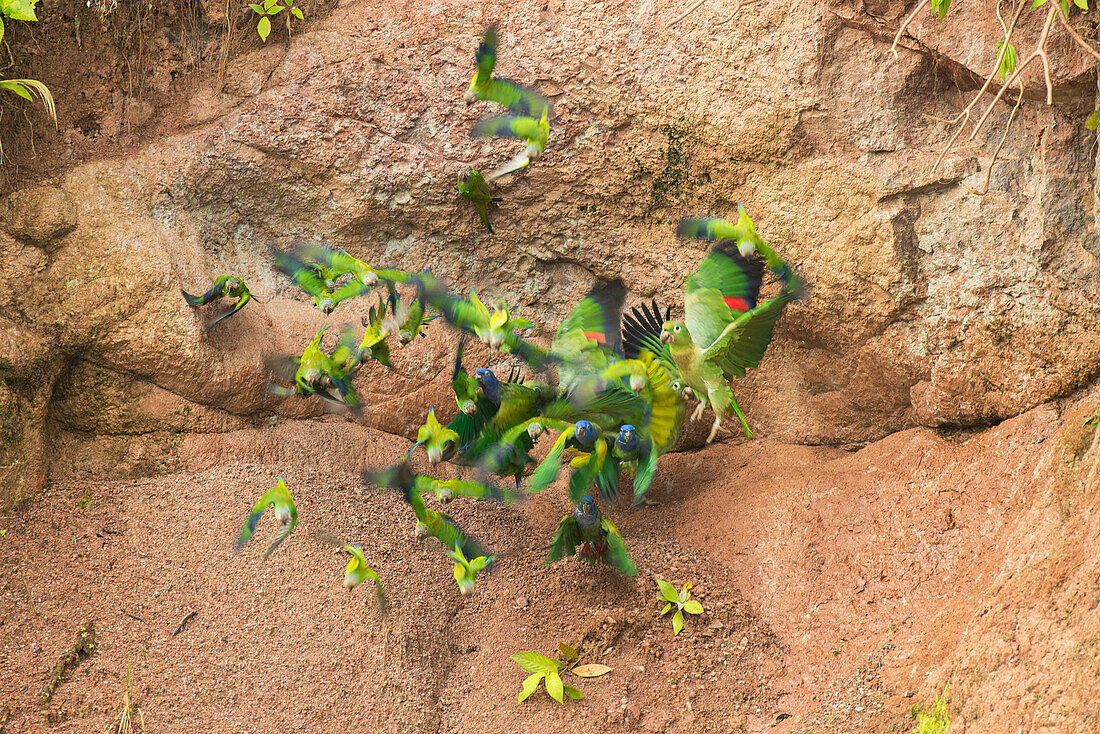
x: 742, y: 344
x: 216, y: 291
x: 245, y: 298
x: 566, y: 539
x: 507, y: 126
x: 616, y: 554
x: 517, y: 98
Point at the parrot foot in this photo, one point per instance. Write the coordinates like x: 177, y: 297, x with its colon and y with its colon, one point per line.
x: 698, y: 413
x: 714, y: 429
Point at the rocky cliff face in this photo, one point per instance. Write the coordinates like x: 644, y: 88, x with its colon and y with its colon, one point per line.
x: 929, y: 304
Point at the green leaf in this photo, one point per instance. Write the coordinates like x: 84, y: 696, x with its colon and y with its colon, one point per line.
x: 264, y: 28
x: 257, y: 9
x: 297, y: 13
x: 572, y: 692
x: 1083, y: 4
x: 1093, y: 121
x: 1, y: 30
x: 678, y: 622
x: 275, y: 10
x: 941, y: 7
x: 18, y: 9
x: 532, y: 662
x: 1065, y: 7
x: 554, y: 686
x: 1008, y: 60
x: 666, y: 609
x: 591, y: 670
x: 1038, y: 3
x: 684, y: 595
x: 6, y: 84
x: 568, y: 652
x: 530, y: 685
x: 693, y: 607
x: 668, y: 591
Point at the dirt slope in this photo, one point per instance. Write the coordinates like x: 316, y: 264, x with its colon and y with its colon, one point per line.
x: 839, y: 589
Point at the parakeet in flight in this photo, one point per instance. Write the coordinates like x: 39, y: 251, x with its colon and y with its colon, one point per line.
x: 466, y: 569
x: 357, y: 571
x: 535, y: 130
x: 472, y: 186
x: 598, y: 538
x: 285, y: 512
x: 227, y: 286
x: 306, y: 277
x: 725, y: 330
x: 516, y: 98
x: 428, y: 521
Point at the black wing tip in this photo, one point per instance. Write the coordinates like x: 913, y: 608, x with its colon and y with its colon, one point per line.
x: 694, y: 228
x: 191, y: 300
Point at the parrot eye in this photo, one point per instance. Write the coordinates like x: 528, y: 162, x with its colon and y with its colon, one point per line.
x: 676, y: 328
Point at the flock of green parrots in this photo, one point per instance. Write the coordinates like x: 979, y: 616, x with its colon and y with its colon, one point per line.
x: 618, y: 401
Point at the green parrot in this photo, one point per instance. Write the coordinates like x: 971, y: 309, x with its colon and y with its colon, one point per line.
x: 286, y: 512
x: 406, y: 317
x: 597, y: 536
x: 473, y: 187
x: 351, y: 352
x: 318, y: 374
x: 439, y: 443
x: 724, y: 331
x: 357, y: 571
x: 536, y: 131
x: 428, y: 521
x: 228, y: 286
x: 505, y: 92
x: 306, y: 277
x: 338, y: 262
x: 495, y: 328
x: 466, y: 569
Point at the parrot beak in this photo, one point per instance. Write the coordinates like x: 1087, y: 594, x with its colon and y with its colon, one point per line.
x: 435, y: 455
x: 470, y: 96
x: 404, y: 337
x: 421, y: 530
x: 370, y: 278
x: 496, y: 340
x: 350, y: 582
x: 327, y: 306
x: 445, y: 495
x: 533, y: 151
x: 746, y: 248
x: 666, y: 336
x: 637, y: 382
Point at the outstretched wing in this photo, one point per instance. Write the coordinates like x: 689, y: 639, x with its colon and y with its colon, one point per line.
x: 642, y: 331
x: 566, y: 539
x: 724, y: 286
x: 507, y: 126
x: 245, y: 298
x: 742, y: 344
x: 616, y: 555
x: 216, y: 291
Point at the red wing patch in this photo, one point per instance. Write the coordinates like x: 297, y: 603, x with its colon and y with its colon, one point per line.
x: 596, y: 336
x: 736, y: 303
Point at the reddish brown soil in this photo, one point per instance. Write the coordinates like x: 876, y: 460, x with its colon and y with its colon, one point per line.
x: 839, y: 588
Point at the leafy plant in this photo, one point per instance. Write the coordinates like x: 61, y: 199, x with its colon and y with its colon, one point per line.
x: 267, y: 10
x: 934, y: 719
x: 542, y: 668
x: 1008, y: 59
x: 125, y: 723
x: 25, y: 88
x: 682, y: 600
